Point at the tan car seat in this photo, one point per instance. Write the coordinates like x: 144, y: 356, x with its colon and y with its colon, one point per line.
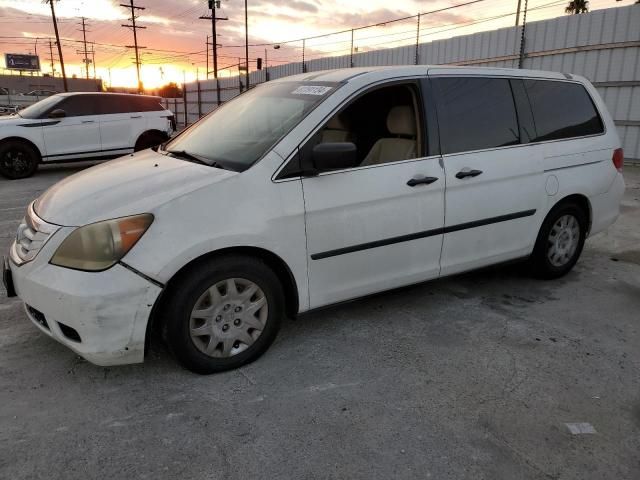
x: 400, y: 121
x: 336, y: 130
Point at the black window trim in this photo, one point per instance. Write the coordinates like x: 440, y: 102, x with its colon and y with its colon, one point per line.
x: 416, y: 81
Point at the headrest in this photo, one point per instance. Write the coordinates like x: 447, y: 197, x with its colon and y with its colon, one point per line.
x: 401, y: 121
x: 337, y: 123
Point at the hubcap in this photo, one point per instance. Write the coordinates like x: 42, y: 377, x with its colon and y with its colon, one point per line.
x: 228, y: 317
x: 563, y: 240
x: 15, y: 160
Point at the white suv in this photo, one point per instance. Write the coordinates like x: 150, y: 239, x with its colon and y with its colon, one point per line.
x: 312, y: 190
x: 80, y: 126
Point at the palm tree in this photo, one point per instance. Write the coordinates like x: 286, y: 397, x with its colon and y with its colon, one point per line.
x: 577, y: 6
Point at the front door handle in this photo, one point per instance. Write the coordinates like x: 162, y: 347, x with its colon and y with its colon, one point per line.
x: 466, y: 172
x: 88, y: 121
x: 421, y: 180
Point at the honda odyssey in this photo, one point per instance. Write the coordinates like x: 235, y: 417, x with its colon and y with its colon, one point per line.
x: 312, y: 190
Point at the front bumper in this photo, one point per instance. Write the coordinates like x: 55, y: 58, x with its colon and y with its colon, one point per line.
x: 109, y: 310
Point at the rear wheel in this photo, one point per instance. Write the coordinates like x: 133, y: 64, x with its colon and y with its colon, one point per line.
x: 224, y: 314
x: 560, y: 241
x: 18, y: 159
x: 149, y: 140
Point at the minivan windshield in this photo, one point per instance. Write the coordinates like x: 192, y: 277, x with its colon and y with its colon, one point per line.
x: 37, y: 109
x: 240, y: 132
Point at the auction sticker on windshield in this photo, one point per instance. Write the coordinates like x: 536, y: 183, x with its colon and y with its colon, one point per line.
x: 311, y: 90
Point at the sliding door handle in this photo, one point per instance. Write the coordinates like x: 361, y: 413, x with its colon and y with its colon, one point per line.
x: 466, y: 172
x: 421, y: 180
x: 88, y: 121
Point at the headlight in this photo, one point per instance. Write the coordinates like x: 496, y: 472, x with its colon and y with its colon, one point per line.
x: 99, y: 246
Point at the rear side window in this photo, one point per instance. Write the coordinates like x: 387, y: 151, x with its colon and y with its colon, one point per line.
x: 562, y: 110
x: 475, y: 113
x: 110, y: 104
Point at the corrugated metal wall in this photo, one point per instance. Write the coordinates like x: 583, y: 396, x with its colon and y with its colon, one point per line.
x: 603, y: 46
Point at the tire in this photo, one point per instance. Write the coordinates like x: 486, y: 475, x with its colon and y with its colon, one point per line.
x: 209, y: 334
x: 560, y: 241
x: 18, y: 159
x: 149, y: 140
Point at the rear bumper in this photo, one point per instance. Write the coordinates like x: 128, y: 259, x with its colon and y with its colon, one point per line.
x: 605, y: 208
x: 108, y: 311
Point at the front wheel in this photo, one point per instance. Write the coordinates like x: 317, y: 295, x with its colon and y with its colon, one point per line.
x: 149, y: 140
x: 223, y: 313
x: 560, y: 241
x: 18, y: 160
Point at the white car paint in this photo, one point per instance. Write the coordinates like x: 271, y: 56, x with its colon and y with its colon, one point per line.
x: 200, y: 209
x: 88, y: 136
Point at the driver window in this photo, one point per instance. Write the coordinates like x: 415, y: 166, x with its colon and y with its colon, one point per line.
x: 384, y: 125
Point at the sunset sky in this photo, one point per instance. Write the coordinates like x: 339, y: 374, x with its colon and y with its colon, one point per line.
x: 175, y: 37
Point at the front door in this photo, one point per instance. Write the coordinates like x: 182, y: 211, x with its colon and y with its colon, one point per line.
x: 377, y: 225
x: 77, y: 134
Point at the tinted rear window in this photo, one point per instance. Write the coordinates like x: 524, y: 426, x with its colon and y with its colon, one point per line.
x: 562, y: 110
x: 475, y: 113
x: 111, y: 104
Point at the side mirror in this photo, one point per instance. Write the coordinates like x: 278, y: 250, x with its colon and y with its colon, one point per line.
x: 57, y: 113
x: 334, y: 156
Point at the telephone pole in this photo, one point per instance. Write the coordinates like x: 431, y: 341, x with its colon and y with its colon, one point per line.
x: 55, y: 27
x: 135, y: 28
x: 53, y: 70
x: 84, y: 41
x: 246, y: 43
x: 213, y: 4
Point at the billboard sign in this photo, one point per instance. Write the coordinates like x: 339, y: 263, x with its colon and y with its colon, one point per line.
x: 17, y: 61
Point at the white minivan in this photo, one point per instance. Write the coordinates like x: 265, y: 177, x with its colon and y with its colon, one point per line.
x: 312, y: 190
x: 80, y: 126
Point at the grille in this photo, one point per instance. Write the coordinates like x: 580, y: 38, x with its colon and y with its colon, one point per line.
x: 32, y: 234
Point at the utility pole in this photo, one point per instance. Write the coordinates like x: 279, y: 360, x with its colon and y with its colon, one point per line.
x: 135, y: 46
x: 351, y: 56
x: 304, y: 65
x: 213, y: 4
x: 417, y: 59
x: 55, y: 27
x: 246, y: 42
x: 93, y: 59
x: 518, y: 12
x: 523, y: 38
x: 84, y: 41
x: 207, y: 56
x: 53, y: 70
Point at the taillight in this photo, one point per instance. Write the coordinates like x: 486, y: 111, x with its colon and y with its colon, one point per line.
x: 618, y: 158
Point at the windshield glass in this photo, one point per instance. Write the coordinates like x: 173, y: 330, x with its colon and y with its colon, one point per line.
x: 38, y: 108
x: 240, y: 132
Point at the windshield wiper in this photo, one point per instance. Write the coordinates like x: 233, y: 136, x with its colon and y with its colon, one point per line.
x: 189, y: 156
x: 192, y: 157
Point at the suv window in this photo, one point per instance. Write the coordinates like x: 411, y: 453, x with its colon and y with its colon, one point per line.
x: 475, y: 113
x: 562, y: 110
x: 111, y: 104
x: 79, y: 105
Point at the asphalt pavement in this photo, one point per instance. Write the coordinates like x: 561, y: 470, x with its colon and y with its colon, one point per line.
x: 488, y: 375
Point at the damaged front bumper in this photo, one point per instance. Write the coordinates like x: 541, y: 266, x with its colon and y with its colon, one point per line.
x: 102, y: 316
